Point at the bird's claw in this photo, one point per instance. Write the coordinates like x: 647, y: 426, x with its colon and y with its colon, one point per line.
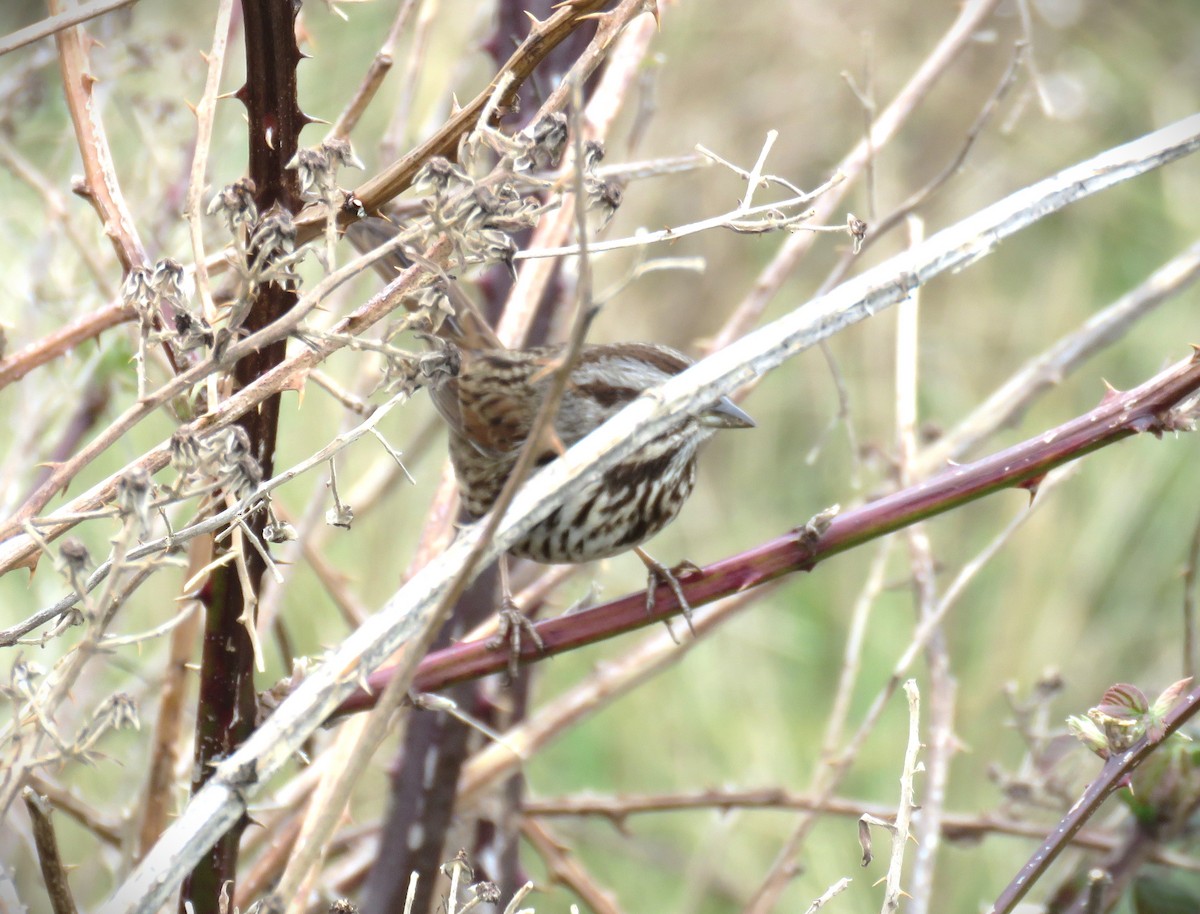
x: 511, y: 625
x: 657, y: 573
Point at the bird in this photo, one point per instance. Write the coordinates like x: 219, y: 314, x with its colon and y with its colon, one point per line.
x: 490, y: 399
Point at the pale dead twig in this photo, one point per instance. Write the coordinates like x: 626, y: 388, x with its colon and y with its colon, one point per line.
x: 394, y: 137
x: 904, y: 810
x: 43, y: 705
x: 1191, y: 570
x: 919, y: 197
x: 381, y: 65
x: 566, y: 868
x: 165, y: 740
x: 205, y: 112
x: 839, y: 711
x: 54, y: 872
x: 552, y: 229
x: 100, y: 186
x: 921, y: 561
x: 783, y: 214
x: 836, y: 889
x: 966, y: 827
x: 58, y: 22
x: 886, y: 126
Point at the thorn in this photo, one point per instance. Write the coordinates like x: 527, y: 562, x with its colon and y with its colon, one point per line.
x: 1110, y: 392
x: 1032, y: 485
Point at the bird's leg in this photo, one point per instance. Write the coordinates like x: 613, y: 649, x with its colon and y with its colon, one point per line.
x: 510, y: 625
x: 659, y: 573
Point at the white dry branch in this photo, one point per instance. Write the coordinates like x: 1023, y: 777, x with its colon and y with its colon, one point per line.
x: 222, y: 801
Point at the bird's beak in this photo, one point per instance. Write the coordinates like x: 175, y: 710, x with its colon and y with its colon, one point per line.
x: 726, y: 414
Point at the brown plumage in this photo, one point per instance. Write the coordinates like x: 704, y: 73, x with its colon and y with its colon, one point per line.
x: 491, y: 404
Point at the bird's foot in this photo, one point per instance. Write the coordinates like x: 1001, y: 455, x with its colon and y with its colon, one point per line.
x: 512, y: 625
x: 658, y: 573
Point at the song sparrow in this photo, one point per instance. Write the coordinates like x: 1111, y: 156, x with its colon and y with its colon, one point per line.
x: 491, y: 401
x: 490, y: 406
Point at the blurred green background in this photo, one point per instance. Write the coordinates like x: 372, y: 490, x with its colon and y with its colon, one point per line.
x: 1091, y: 586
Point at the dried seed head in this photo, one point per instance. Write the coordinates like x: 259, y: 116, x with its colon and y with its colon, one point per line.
x: 487, y: 892
x: 170, y: 280
x: 548, y: 139
x: 310, y: 166
x: 440, y: 175
x: 279, y: 532
x: 134, y: 489
x: 137, y: 290
x: 185, y: 451
x: 340, y: 516
x: 341, y: 152
x: 75, y: 554
x: 120, y: 711
x: 604, y: 197
x: 857, y: 229
x: 191, y: 331
x: 272, y: 249
x: 23, y: 676
x: 243, y: 476
x: 593, y: 155
x: 236, y: 203
x: 317, y: 168
x: 274, y: 235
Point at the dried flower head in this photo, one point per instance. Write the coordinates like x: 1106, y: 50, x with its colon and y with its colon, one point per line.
x: 279, y: 531
x: 137, y: 290
x: 272, y: 249
x: 236, y: 203
x: 133, y: 492
x: 439, y: 176
x: 542, y: 144
x: 317, y: 169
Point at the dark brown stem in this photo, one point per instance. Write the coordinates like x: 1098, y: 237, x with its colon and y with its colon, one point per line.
x: 1143, y: 409
x: 227, y: 705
